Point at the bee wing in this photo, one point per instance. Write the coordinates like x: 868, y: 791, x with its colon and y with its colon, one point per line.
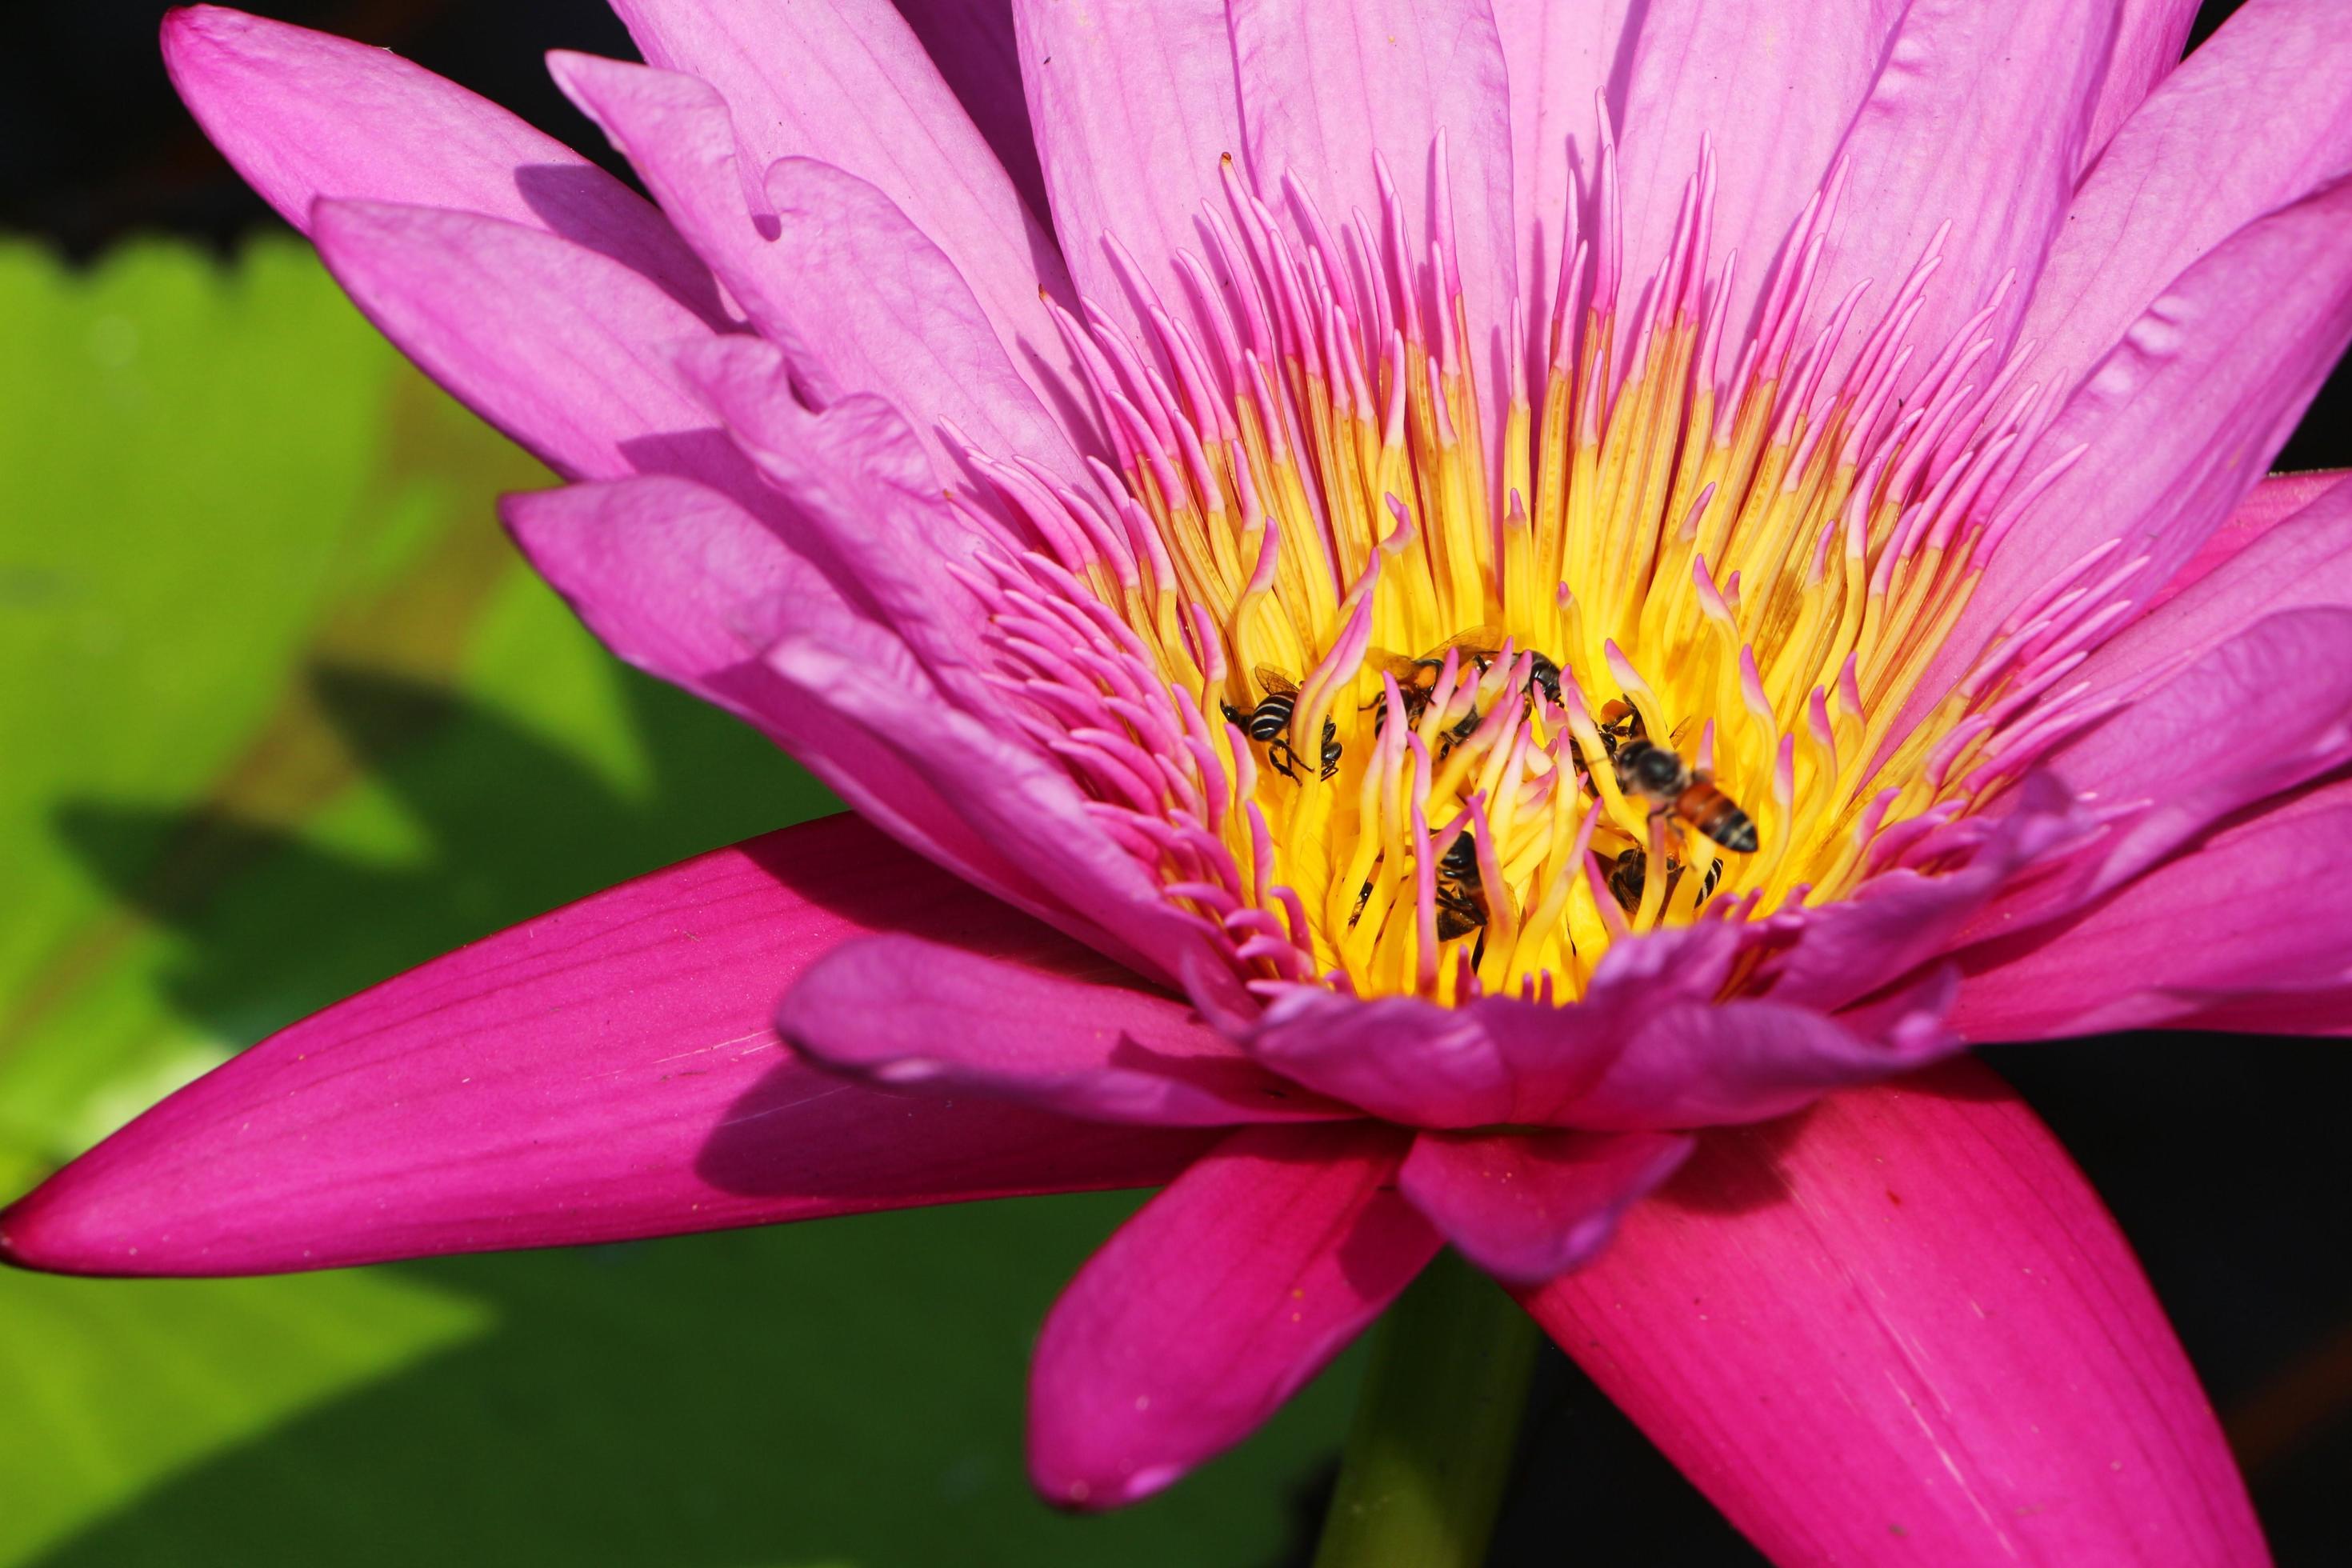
x: 1481, y: 642
x: 1275, y: 683
x: 1388, y: 661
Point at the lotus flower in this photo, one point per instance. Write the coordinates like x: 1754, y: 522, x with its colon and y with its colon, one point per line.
x: 1518, y: 622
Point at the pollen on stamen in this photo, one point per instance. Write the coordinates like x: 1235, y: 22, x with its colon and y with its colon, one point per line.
x: 1386, y: 708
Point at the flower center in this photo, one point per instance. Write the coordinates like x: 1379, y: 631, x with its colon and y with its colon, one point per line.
x: 1401, y: 704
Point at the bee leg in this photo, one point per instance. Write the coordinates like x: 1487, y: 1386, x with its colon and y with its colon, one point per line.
x: 1282, y: 759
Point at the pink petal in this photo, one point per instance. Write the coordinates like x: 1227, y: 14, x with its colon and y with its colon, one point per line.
x: 1648, y: 1047
x: 1703, y: 1064
x: 2150, y: 36
x: 1216, y: 1304
x: 882, y: 298
x: 1774, y: 121
x: 2181, y: 420
x: 1529, y: 1206
x: 2319, y: 1010
x: 1324, y: 88
x: 920, y: 1016
x: 304, y: 115
x: 1903, y: 1329
x: 1560, y: 59
x: 2266, y: 710
x: 1134, y: 107
x: 2276, y: 499
x: 2260, y: 913
x: 2305, y: 559
x: 1005, y: 791
x: 849, y: 83
x: 830, y: 269
x: 860, y: 474
x: 1902, y: 918
x: 561, y: 348
x: 1977, y: 119
x: 2259, y: 116
x: 971, y: 43
x: 853, y: 704
x: 676, y: 131
x: 683, y: 584
x: 602, y: 1072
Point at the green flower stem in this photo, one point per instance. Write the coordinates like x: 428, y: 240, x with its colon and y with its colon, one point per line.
x: 1426, y: 1460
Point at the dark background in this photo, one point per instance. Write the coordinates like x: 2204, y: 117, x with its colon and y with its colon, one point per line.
x: 2222, y: 1156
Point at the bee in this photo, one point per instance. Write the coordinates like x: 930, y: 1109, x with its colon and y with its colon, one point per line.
x: 1626, y: 875
x: 1268, y: 723
x: 1673, y: 788
x: 1461, y: 892
x: 1629, y: 872
x: 1618, y: 721
x: 1475, y: 652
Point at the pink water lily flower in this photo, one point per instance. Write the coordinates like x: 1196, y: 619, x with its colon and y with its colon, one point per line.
x: 1447, y: 622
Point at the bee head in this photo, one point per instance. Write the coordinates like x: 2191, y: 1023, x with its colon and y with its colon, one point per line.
x: 1545, y: 677
x: 1461, y: 860
x: 1648, y: 767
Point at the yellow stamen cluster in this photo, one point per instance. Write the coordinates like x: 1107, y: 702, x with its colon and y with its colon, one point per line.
x: 1750, y: 569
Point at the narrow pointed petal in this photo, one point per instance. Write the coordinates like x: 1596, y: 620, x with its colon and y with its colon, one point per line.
x: 2252, y: 928
x: 848, y: 82
x: 2302, y: 560
x: 1529, y: 1206
x: 2278, y: 497
x: 2149, y: 38
x: 1560, y: 59
x: 2180, y: 421
x: 844, y: 694
x: 921, y: 689
x: 2258, y: 116
x: 880, y: 298
x: 1214, y: 1304
x: 926, y: 1017
x: 2179, y: 759
x: 860, y: 474
x: 829, y: 269
x: 2016, y: 87
x: 1903, y: 1329
x: 686, y: 585
x: 1005, y: 791
x: 1135, y: 109
x: 1772, y: 87
x: 304, y: 115
x: 971, y: 43
x: 1903, y: 918
x: 2176, y: 760
x: 602, y: 1072
x: 557, y: 346
x: 1649, y: 1047
x: 1325, y: 88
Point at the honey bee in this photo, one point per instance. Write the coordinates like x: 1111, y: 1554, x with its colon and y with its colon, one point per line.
x: 1673, y: 788
x: 1461, y: 892
x: 1268, y: 724
x: 1475, y: 652
x: 1629, y: 872
x: 1618, y: 723
x: 1626, y: 875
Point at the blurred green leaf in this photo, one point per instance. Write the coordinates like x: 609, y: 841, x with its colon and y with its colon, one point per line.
x: 283, y: 717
